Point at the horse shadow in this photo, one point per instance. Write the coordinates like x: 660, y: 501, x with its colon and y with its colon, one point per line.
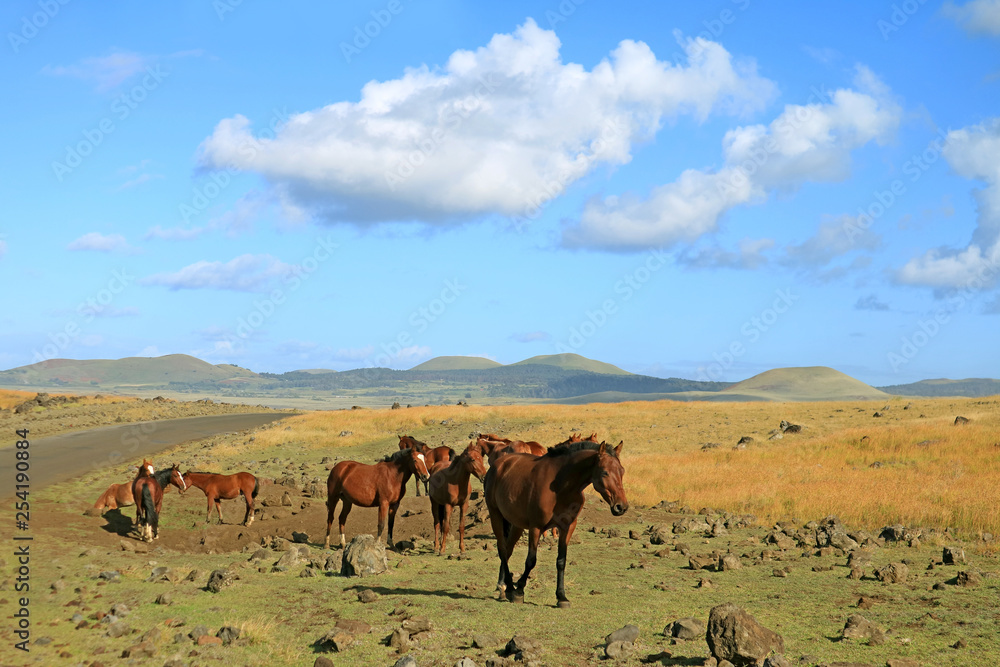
x: 117, y: 523
x: 386, y: 590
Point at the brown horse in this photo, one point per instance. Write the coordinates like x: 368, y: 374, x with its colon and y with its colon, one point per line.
x: 536, y: 493
x: 120, y: 495
x: 449, y: 487
x: 149, y: 493
x: 431, y: 455
x: 496, y: 447
x: 381, y: 485
x: 225, y: 487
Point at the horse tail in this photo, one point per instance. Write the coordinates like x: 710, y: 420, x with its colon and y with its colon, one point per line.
x: 451, y: 454
x: 256, y: 488
x: 149, y: 507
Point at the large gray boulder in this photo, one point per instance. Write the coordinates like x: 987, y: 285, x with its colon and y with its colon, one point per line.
x: 364, y: 556
x: 736, y: 636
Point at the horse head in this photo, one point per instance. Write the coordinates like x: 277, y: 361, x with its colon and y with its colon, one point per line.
x: 418, y: 465
x: 473, y: 460
x: 177, y: 479
x: 146, y: 469
x: 608, y: 475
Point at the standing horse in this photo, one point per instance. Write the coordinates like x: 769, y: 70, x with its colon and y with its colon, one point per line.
x: 431, y: 456
x: 120, y: 495
x: 149, y: 494
x: 536, y: 493
x: 449, y: 487
x: 381, y: 485
x: 226, y: 487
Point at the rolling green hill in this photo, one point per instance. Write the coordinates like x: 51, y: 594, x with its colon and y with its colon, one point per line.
x: 456, y: 364
x: 127, y: 372
x: 809, y: 383
x: 572, y: 362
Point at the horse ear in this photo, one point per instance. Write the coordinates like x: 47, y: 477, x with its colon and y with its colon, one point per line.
x: 618, y: 449
x: 602, y: 449
x: 399, y: 436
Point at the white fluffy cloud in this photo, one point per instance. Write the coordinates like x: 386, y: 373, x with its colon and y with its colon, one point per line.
x: 101, y: 243
x: 246, y: 273
x: 974, y: 153
x: 496, y: 130
x: 811, y: 142
x: 976, y: 17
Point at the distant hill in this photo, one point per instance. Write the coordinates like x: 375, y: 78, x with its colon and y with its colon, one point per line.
x: 456, y: 364
x: 127, y: 372
x: 810, y: 383
x: 971, y: 387
x: 572, y: 362
x: 315, y: 371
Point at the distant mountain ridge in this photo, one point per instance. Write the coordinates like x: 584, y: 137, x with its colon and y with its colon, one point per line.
x: 969, y: 387
x: 556, y: 378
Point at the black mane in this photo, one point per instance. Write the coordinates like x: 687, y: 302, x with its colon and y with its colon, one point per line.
x: 396, y: 457
x: 571, y: 448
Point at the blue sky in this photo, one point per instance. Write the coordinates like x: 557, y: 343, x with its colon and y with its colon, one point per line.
x: 704, y: 190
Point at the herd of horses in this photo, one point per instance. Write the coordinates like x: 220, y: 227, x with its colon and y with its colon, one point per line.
x: 527, y: 488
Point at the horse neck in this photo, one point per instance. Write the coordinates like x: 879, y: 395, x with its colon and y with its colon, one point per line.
x: 457, y: 472
x: 198, y: 479
x: 577, y: 472
x: 399, y: 467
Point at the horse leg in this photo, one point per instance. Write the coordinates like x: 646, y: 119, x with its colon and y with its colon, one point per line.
x: 436, y: 515
x: 564, y: 536
x: 343, y: 520
x: 248, y: 518
x: 514, y: 594
x: 500, y: 529
x: 331, y: 506
x: 218, y: 507
x: 383, y: 512
x: 445, y: 525
x: 393, y: 507
x: 417, y: 480
x: 534, y: 534
x: 461, y: 526
x: 208, y: 517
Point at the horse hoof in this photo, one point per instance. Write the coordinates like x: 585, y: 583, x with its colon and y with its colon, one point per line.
x: 517, y: 598
x: 563, y: 604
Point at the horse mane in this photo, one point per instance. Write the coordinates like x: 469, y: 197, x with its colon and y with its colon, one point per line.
x: 573, y: 447
x: 397, y: 456
x: 201, y: 472
x: 162, y: 477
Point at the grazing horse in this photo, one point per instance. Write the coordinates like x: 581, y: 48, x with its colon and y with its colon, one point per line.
x: 381, y: 485
x: 149, y: 498
x: 120, y: 495
x: 449, y: 487
x: 431, y: 455
x: 536, y: 493
x: 225, y: 487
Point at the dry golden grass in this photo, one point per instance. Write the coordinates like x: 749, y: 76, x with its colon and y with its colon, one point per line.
x: 912, y: 466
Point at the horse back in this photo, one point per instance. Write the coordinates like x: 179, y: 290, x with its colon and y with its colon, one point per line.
x: 354, y: 482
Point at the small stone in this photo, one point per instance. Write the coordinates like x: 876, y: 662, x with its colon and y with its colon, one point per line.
x: 367, y: 595
x: 208, y: 640
x: 228, y: 634
x: 618, y: 649
x: 164, y: 598
x: 405, y: 661
x: 629, y: 634
x: 961, y: 643
x: 953, y: 555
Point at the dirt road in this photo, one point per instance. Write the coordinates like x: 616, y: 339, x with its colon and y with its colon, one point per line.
x: 61, y: 457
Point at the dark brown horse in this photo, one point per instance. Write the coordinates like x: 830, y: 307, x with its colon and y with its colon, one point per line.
x: 149, y: 498
x: 120, y: 495
x: 450, y: 487
x: 537, y: 493
x: 219, y: 487
x: 431, y: 455
x: 381, y: 485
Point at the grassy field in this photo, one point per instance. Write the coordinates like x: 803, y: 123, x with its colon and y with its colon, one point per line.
x: 931, y: 476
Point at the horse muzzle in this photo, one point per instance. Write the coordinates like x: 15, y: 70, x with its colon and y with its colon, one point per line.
x: 619, y: 508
